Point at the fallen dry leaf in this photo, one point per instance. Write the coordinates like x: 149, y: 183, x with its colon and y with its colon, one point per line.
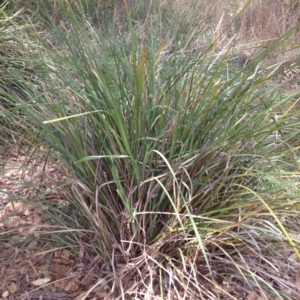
x: 13, y: 287
x: 96, y: 258
x: 3, y: 285
x: 15, y: 207
x: 5, y: 294
x: 72, y: 285
x: 41, y: 281
x: 32, y: 244
x: 12, y: 221
x: 58, y: 271
x: 87, y: 280
x: 251, y: 296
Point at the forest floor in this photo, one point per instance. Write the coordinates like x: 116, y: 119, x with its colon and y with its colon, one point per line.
x: 34, y: 264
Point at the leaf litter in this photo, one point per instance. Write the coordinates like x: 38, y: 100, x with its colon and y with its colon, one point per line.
x: 31, y: 265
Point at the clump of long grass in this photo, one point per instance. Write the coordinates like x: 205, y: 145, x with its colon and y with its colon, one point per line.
x: 18, y: 65
x: 9, y: 50
x: 169, y: 152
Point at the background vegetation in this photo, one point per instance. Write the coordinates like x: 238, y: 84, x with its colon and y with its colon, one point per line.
x: 176, y: 124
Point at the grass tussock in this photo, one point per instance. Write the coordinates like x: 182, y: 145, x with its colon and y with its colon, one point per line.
x: 184, y: 168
